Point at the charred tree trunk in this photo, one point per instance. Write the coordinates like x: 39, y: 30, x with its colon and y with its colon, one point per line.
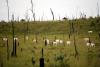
x: 32, y: 10
x: 52, y: 13
x: 15, y: 51
x: 42, y: 60
x: 13, y: 33
x: 76, y: 51
x: 7, y: 50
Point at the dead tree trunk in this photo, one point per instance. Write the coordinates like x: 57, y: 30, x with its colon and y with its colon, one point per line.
x: 97, y: 10
x: 42, y: 60
x: 8, y: 8
x: 7, y: 50
x: 13, y: 33
x: 33, y: 13
x: 15, y: 51
x: 52, y: 13
x: 76, y: 51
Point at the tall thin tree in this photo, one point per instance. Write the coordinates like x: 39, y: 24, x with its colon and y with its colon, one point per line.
x: 13, y: 52
x: 97, y: 9
x: 8, y: 8
x: 52, y: 13
x: 32, y: 10
x: 27, y: 21
x: 73, y: 31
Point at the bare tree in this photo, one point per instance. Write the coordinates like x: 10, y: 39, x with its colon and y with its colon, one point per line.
x: 26, y: 15
x: 27, y: 19
x: 52, y: 13
x: 7, y: 50
x: 13, y: 35
x: 8, y: 8
x: 32, y: 10
x: 73, y: 31
x: 97, y: 9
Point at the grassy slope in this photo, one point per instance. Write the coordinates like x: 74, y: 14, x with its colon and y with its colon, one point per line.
x: 48, y: 27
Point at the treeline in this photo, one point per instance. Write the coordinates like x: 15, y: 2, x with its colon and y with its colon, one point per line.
x: 50, y: 27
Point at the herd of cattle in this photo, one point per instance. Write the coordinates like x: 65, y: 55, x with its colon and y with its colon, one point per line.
x: 59, y: 41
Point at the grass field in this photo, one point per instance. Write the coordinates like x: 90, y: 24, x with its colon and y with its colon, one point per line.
x: 61, y: 55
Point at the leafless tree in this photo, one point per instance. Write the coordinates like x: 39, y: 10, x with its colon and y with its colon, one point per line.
x: 27, y: 19
x: 32, y: 10
x: 26, y: 15
x: 97, y: 9
x: 73, y: 31
x: 8, y: 8
x: 13, y: 35
x: 52, y: 13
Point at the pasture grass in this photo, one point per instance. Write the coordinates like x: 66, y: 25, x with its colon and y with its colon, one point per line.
x: 88, y: 57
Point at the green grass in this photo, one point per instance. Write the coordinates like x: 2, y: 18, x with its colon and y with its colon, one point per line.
x: 51, y: 52
x: 87, y: 57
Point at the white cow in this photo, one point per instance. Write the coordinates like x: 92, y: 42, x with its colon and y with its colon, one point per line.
x: 90, y: 31
x: 26, y: 37
x: 34, y: 40
x: 90, y: 44
x: 87, y: 44
x: 55, y: 43
x: 86, y: 39
x: 4, y: 39
x: 61, y: 41
x: 68, y: 42
x: 48, y: 41
x: 15, y: 38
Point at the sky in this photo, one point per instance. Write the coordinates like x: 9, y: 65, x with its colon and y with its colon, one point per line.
x: 61, y: 8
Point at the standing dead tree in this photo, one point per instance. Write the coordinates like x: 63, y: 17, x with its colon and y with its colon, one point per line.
x: 13, y: 34
x: 52, y: 13
x: 14, y: 54
x: 26, y: 26
x: 97, y: 9
x: 7, y: 50
x: 26, y: 15
x: 27, y: 19
x: 8, y: 8
x: 73, y: 30
x: 32, y: 10
x: 42, y: 60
